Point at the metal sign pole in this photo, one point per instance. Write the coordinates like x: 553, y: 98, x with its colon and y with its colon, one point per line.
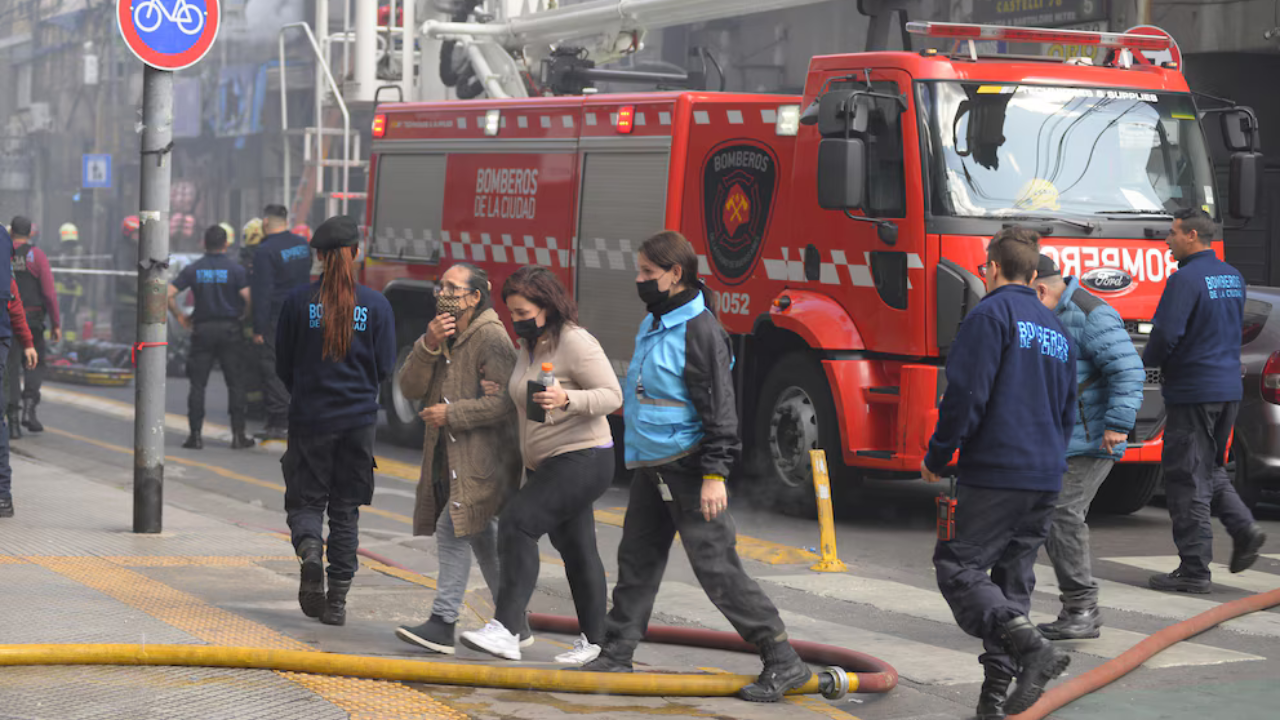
x: 153, y: 259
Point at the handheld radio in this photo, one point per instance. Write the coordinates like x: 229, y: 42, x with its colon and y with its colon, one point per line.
x: 947, y: 513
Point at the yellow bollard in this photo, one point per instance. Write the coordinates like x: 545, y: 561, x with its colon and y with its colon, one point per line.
x: 826, y: 518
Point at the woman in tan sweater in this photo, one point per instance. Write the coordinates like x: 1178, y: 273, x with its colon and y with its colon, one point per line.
x: 568, y: 462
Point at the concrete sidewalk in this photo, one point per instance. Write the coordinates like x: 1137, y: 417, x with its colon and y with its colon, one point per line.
x: 73, y: 572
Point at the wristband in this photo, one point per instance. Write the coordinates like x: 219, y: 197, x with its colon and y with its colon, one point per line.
x: 717, y: 478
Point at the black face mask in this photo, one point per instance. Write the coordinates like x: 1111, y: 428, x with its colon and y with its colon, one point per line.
x: 650, y: 295
x: 528, y: 329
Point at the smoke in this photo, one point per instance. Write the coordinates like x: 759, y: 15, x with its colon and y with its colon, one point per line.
x: 264, y: 18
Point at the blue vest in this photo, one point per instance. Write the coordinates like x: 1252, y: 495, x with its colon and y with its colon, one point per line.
x: 662, y: 423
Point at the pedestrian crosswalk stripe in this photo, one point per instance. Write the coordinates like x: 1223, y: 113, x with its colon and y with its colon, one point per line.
x: 915, y: 661
x: 1178, y: 606
x: 929, y: 605
x: 1250, y: 580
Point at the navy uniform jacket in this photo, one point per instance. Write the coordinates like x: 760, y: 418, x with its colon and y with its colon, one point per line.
x: 281, y: 264
x: 1197, y: 331
x: 1010, y: 401
x: 331, y: 396
x: 6, y: 274
x: 217, y: 281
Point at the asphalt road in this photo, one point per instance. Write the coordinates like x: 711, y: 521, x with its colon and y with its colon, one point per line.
x: 885, y: 604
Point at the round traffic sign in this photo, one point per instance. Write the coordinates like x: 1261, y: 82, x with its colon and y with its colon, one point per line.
x: 1157, y: 57
x: 169, y: 34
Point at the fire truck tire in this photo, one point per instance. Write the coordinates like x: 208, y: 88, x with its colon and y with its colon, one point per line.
x: 1126, y: 490
x: 796, y: 414
x: 404, y: 425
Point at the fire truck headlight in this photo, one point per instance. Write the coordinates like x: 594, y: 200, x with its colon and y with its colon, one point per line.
x: 1145, y: 328
x: 492, y: 121
x: 788, y: 123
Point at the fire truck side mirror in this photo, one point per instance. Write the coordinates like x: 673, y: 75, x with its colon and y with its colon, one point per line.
x: 1240, y: 130
x: 842, y: 173
x: 843, y: 112
x: 1245, y: 184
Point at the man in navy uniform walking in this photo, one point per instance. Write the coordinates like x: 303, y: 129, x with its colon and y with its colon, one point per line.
x: 281, y: 264
x: 221, y: 293
x: 1195, y: 341
x: 1009, y: 406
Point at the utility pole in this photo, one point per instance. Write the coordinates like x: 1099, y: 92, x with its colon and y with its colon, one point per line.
x: 153, y: 260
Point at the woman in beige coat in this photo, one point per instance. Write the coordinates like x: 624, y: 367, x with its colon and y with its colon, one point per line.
x: 470, y: 457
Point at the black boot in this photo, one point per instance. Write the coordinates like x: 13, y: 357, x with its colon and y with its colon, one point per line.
x: 435, y: 634
x: 1038, y: 659
x: 995, y: 690
x: 1244, y: 553
x: 1073, y: 624
x: 240, y: 441
x: 311, y: 588
x: 15, y: 425
x: 29, y: 419
x: 614, y: 657
x: 194, y: 441
x: 335, y: 605
x: 783, y: 671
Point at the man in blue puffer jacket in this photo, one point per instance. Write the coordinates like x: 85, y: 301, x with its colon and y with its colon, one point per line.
x: 1109, y: 375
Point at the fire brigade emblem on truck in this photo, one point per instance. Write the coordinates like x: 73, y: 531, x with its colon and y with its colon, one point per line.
x: 738, y: 183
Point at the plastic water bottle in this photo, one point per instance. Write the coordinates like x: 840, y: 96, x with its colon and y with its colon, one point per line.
x: 547, y: 379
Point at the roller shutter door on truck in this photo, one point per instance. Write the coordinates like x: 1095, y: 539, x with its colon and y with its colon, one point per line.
x: 409, y: 207
x: 623, y: 203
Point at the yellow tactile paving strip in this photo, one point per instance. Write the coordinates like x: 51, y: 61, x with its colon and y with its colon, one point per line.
x: 362, y: 699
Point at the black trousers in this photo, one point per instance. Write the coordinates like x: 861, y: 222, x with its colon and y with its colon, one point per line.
x: 333, y: 474
x: 647, y: 532
x: 1195, y: 480
x: 25, y: 383
x: 220, y: 341
x: 987, y: 573
x: 557, y: 500
x: 275, y: 397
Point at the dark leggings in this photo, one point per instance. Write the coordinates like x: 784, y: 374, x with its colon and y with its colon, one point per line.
x: 557, y: 500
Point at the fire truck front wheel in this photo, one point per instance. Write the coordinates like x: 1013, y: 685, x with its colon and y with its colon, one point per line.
x: 405, y: 426
x: 796, y: 414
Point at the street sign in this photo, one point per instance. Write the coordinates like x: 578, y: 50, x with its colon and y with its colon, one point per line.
x: 95, y: 171
x: 1158, y: 57
x: 169, y: 34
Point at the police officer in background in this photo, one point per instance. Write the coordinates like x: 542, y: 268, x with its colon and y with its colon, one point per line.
x: 336, y: 344
x: 221, y: 289
x: 281, y: 264
x: 34, y: 276
x: 1010, y: 408
x: 1195, y: 341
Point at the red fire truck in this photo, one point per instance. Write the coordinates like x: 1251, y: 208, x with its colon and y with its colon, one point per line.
x: 840, y: 232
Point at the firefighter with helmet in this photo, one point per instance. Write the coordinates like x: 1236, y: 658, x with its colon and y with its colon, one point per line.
x: 124, y: 309
x: 70, y: 288
x: 34, y: 277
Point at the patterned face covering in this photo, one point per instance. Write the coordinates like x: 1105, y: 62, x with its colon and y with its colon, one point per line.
x: 446, y: 305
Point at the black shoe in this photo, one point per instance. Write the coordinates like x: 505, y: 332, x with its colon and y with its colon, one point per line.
x: 194, y: 442
x: 6, y: 507
x: 783, y: 671
x: 435, y: 634
x: 1039, y: 660
x: 311, y: 588
x: 15, y: 426
x: 1073, y: 625
x: 1244, y: 552
x: 1176, y: 581
x: 240, y: 441
x: 335, y: 603
x: 274, y: 432
x: 995, y: 690
x: 29, y: 419
x: 606, y: 663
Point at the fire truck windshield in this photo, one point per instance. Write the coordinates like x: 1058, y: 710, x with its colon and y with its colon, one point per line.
x: 1018, y: 150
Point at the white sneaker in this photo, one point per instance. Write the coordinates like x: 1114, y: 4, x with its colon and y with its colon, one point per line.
x: 584, y: 651
x: 494, y: 639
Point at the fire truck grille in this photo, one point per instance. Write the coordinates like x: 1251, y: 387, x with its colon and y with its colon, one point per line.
x: 1155, y: 376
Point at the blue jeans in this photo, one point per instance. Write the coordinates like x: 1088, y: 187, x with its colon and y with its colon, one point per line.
x: 454, y: 554
x: 6, y: 472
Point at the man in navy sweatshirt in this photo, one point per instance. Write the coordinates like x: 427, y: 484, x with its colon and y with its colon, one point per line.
x: 281, y: 264
x: 1010, y: 407
x: 1195, y: 341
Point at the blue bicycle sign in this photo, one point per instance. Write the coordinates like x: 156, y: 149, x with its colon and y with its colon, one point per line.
x: 168, y: 34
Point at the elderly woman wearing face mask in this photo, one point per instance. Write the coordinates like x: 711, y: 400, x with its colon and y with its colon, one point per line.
x: 469, y: 457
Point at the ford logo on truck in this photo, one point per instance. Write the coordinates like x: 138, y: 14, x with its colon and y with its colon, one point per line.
x: 1107, y: 280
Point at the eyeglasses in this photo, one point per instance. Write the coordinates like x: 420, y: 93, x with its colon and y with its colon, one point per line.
x: 452, y: 291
